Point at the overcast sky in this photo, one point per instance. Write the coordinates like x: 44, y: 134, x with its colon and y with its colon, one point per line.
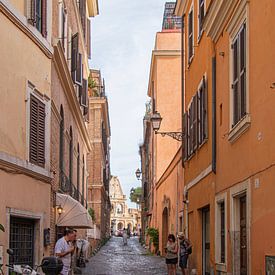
x: 123, y: 36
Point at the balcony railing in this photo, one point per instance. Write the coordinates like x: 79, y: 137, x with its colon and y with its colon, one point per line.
x: 69, y: 188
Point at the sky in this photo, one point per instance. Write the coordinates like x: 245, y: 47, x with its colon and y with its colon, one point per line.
x: 123, y: 36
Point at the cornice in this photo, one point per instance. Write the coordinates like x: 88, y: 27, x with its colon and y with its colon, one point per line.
x: 93, y: 8
x: 30, y: 31
x: 67, y: 84
x: 217, y: 16
x: 156, y: 54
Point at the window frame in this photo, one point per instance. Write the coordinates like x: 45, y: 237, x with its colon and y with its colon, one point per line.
x: 221, y: 198
x: 200, y: 30
x: 233, y: 28
x: 193, y: 117
x: 190, y: 57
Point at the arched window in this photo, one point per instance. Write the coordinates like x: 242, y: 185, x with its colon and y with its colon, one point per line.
x: 78, y: 170
x: 61, y: 142
x: 71, y: 152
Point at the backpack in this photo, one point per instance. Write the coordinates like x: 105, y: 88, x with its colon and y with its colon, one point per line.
x: 188, y: 250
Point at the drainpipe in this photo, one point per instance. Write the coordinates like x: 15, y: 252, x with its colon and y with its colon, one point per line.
x: 214, y: 116
x: 182, y: 87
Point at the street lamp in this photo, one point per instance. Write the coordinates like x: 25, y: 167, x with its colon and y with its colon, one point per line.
x: 138, y: 174
x: 156, y: 121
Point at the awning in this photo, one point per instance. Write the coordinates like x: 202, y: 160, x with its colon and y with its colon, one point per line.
x: 74, y: 214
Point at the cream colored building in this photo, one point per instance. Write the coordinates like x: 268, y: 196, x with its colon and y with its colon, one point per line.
x: 122, y: 216
x: 25, y: 97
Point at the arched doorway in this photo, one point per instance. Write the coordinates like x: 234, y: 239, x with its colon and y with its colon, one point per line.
x: 120, y: 226
x: 164, y: 229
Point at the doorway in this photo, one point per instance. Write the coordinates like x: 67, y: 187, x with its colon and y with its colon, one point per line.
x: 243, y: 236
x: 164, y: 229
x: 206, y: 241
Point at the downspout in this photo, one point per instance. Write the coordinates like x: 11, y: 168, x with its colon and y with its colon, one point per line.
x: 214, y: 115
x: 182, y: 88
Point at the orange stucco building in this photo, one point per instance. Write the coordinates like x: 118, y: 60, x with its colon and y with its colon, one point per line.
x: 228, y: 77
x: 161, y: 155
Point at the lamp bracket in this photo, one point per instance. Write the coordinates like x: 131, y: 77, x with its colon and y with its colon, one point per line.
x: 175, y: 135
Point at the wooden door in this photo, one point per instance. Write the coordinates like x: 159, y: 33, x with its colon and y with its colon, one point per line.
x: 206, y: 241
x: 243, y: 236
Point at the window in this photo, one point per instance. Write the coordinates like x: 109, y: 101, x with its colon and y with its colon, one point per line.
x: 76, y: 64
x: 37, y: 132
x: 71, y: 152
x: 37, y: 15
x: 83, y: 180
x: 61, y: 142
x: 201, y: 15
x: 63, y: 26
x: 78, y: 171
x: 190, y: 36
x: 82, y: 12
x: 195, y: 122
x: 22, y: 241
x: 222, y: 232
x: 239, y: 75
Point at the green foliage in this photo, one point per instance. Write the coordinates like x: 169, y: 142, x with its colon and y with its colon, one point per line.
x: 92, y: 85
x: 91, y: 211
x: 135, y: 195
x: 2, y: 228
x: 153, y: 233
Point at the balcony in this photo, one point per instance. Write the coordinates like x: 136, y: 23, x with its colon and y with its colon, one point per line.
x: 67, y: 187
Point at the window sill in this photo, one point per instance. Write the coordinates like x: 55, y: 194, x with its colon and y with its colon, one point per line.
x: 221, y: 267
x: 240, y: 128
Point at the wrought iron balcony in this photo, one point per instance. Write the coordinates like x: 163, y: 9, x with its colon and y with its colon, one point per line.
x: 69, y: 188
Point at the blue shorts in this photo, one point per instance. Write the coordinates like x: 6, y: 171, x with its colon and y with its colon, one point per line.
x: 183, y: 261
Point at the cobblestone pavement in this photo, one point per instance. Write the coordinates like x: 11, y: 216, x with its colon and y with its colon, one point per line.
x: 116, y: 259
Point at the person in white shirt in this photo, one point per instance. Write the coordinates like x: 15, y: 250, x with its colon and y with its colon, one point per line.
x: 64, y: 250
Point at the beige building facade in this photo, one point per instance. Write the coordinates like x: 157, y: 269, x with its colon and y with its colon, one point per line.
x: 122, y: 216
x: 70, y: 143
x: 25, y: 96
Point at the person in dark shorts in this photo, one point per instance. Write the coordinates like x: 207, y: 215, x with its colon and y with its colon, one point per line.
x: 184, y: 248
x: 171, y: 254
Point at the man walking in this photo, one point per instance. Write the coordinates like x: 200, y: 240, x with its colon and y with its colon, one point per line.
x: 64, y: 250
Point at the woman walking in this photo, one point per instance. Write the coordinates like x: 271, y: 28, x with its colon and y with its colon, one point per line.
x: 171, y: 255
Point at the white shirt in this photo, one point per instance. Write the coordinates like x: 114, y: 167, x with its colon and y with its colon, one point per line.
x: 62, y: 246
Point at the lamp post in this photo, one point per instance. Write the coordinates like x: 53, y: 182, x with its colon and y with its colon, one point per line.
x: 138, y: 174
x: 156, y: 121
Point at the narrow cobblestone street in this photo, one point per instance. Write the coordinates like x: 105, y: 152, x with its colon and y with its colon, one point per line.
x: 116, y: 259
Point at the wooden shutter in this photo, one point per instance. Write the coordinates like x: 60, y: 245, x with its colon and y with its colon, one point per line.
x: 84, y: 93
x: 31, y: 9
x: 88, y: 39
x: 74, y: 55
x: 205, y: 110
x: 82, y: 12
x: 185, y: 137
x: 37, y: 132
x: 195, y: 121
x: 79, y: 70
x: 243, y: 71
x: 44, y: 18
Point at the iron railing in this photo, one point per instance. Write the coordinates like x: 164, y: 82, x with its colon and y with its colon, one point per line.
x: 69, y: 188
